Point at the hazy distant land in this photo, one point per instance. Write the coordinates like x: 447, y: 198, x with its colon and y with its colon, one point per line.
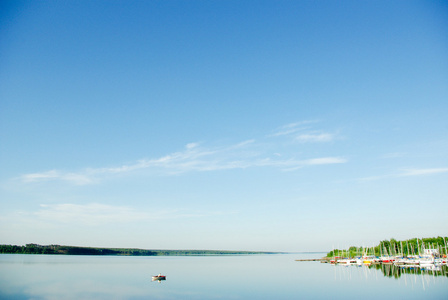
x: 75, y: 250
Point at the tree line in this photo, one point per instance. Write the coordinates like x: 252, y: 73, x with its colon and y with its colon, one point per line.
x: 413, y: 246
x: 74, y: 250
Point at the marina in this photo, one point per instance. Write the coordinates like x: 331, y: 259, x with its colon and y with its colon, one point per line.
x: 395, y: 266
x: 413, y: 252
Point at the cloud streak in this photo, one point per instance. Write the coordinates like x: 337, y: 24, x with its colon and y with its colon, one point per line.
x: 74, y: 178
x: 292, y: 128
x: 315, y: 138
x: 302, y: 132
x: 420, y: 172
x: 408, y: 173
x: 96, y: 214
x: 197, y: 158
x: 89, y: 214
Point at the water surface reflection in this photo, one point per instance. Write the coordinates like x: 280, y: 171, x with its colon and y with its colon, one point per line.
x: 412, y: 277
x: 219, y: 277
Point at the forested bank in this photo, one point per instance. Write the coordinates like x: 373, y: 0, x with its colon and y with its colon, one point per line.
x: 74, y: 250
x: 413, y: 246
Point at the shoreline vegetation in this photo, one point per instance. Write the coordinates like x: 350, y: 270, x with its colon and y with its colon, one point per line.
x: 394, y: 247
x: 75, y: 250
x: 390, y: 247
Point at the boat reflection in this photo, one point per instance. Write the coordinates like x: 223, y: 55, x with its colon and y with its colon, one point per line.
x: 396, y: 271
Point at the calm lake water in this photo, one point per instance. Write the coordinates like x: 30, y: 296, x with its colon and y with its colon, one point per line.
x: 207, y: 277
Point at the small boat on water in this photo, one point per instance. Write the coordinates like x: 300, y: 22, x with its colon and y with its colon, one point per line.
x: 158, y: 277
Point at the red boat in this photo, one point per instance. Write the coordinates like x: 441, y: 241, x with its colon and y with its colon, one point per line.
x: 158, y: 277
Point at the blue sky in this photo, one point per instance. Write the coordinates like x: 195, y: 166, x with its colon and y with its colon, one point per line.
x: 243, y: 125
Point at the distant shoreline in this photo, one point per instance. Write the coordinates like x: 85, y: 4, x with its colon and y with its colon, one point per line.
x: 323, y: 259
x: 75, y: 250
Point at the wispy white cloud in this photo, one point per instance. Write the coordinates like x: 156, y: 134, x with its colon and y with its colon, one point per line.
x: 197, y: 158
x: 373, y: 178
x: 96, y: 214
x: 315, y: 137
x: 192, y: 145
x: 40, y: 176
x: 419, y: 172
x: 74, y: 178
x: 89, y: 214
x: 406, y: 173
x: 292, y: 128
x: 326, y: 161
x: 294, y: 165
x: 303, y: 132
